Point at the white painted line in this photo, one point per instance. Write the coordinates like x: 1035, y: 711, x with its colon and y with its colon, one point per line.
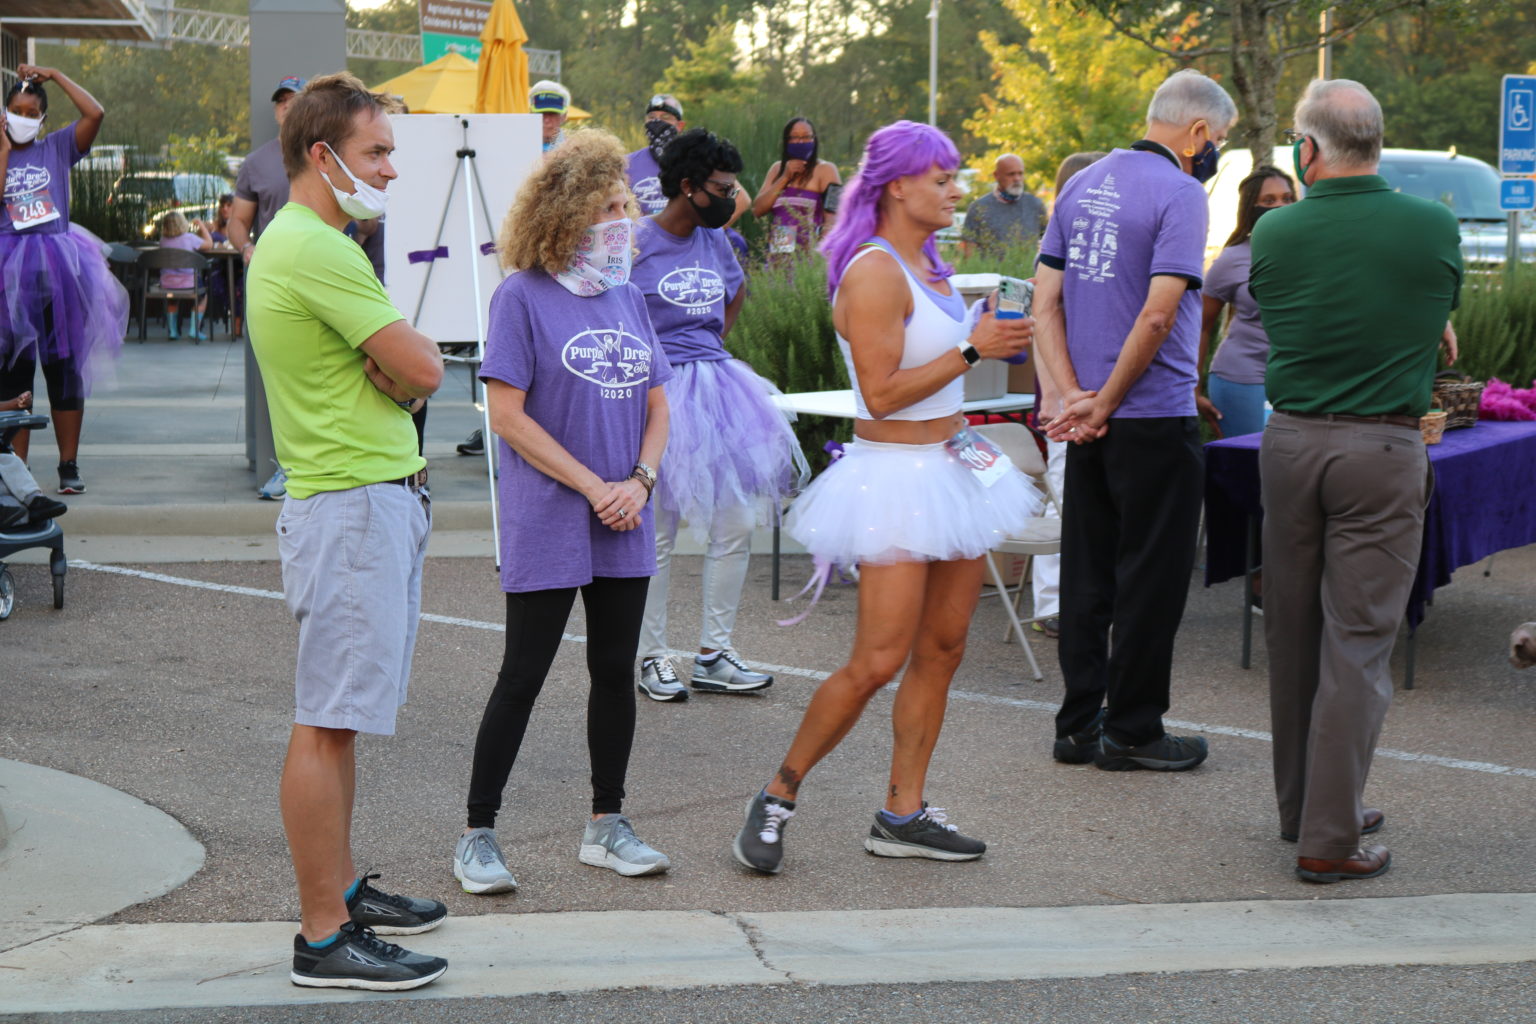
x: 1484, y: 767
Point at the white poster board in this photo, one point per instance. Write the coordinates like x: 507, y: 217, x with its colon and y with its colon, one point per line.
x: 431, y: 181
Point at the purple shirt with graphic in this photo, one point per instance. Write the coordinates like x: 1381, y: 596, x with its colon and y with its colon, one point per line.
x: 1129, y: 217
x: 587, y: 365
x: 37, y: 184
x: 687, y: 282
x: 645, y: 181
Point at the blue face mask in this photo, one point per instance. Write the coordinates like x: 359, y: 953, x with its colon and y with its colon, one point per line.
x: 1203, y: 166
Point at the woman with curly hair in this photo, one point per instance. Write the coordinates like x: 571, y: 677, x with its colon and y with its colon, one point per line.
x: 731, y: 454
x: 573, y: 377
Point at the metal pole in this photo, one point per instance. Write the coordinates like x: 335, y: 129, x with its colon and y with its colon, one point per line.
x: 466, y: 157
x: 1512, y: 245
x: 933, y: 63
x: 1324, y: 44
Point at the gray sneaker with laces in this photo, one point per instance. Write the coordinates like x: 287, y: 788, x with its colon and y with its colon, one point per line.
x: 610, y: 842
x: 927, y: 835
x: 728, y: 674
x: 658, y: 680
x: 760, y: 843
x: 479, y: 865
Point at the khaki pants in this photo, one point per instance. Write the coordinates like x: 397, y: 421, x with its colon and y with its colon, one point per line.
x: 1343, y: 524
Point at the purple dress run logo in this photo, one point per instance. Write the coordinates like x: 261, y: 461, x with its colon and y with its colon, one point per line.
x: 609, y: 358
x: 696, y: 289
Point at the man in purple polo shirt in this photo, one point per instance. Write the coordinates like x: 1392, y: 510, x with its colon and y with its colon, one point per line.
x: 1117, y: 307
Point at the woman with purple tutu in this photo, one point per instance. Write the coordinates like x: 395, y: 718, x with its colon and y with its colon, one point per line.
x: 731, y: 455
x: 59, y: 304
x: 917, y: 500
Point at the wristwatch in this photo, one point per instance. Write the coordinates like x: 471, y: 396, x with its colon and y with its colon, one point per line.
x: 968, y: 351
x: 645, y: 474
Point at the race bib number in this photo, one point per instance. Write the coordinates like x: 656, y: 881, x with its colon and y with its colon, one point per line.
x: 980, y: 456
x: 29, y: 209
x: 782, y: 239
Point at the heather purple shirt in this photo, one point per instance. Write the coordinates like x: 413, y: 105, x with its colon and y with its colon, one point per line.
x: 1118, y: 223
x: 1243, y: 352
x: 645, y: 181
x: 587, y: 365
x: 40, y: 174
x: 687, y: 282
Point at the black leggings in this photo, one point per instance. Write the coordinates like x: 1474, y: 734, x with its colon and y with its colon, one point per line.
x: 66, y: 386
x: 535, y: 622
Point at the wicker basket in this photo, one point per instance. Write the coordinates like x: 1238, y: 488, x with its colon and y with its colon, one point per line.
x: 1432, y: 425
x: 1459, y: 396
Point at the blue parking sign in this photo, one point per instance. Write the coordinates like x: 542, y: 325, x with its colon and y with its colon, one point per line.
x: 1517, y: 125
x: 1517, y: 194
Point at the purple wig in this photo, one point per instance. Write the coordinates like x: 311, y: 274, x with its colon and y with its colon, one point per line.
x: 895, y: 151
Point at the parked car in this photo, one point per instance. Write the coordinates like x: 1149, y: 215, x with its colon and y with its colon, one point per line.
x: 1466, y: 184
x: 152, y: 193
x: 106, y: 157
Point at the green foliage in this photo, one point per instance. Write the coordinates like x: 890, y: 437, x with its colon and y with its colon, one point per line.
x: 785, y: 333
x: 201, y: 154
x: 1016, y: 261
x: 1496, y: 328
x: 90, y: 192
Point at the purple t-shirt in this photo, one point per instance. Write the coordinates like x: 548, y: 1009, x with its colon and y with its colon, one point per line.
x: 37, y: 185
x: 187, y: 242
x: 687, y: 282
x: 645, y: 182
x: 1243, y: 352
x: 1129, y: 217
x: 587, y: 365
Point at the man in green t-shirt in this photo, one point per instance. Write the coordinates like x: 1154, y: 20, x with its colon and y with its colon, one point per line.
x: 342, y: 369
x: 1354, y: 285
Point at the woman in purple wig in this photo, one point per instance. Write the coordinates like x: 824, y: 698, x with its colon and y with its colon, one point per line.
x: 917, y: 500
x: 59, y: 304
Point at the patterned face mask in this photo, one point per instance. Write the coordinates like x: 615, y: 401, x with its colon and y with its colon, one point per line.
x: 659, y: 133
x: 602, y: 260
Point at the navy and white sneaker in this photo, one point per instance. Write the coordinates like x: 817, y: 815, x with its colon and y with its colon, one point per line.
x: 658, y: 680
x: 727, y: 673
x: 359, y: 959
x: 393, y: 915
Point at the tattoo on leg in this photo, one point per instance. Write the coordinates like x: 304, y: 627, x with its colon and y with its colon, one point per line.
x: 893, y: 791
x: 790, y: 779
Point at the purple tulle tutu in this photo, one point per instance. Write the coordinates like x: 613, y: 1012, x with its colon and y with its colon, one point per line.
x: 727, y: 444
x: 65, y: 274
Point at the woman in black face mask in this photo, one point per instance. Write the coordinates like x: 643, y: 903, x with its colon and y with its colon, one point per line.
x: 731, y: 456
x: 800, y: 191
x: 1232, y: 398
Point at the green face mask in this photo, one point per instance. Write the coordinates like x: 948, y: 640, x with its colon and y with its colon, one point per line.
x: 1301, y: 172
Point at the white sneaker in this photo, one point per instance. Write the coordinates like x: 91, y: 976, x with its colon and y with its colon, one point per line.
x: 479, y: 865
x: 658, y: 680
x: 610, y: 842
x: 728, y: 674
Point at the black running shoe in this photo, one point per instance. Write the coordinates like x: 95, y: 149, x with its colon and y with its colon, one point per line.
x: 1164, y: 754
x: 760, y: 843
x: 393, y: 915
x: 360, y: 959
x: 927, y: 835
x: 69, y: 478
x: 43, y: 507
x: 1081, y: 747
x: 474, y: 444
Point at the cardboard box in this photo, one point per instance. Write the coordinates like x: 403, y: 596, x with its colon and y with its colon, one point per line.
x: 1010, y: 567
x: 1021, y: 378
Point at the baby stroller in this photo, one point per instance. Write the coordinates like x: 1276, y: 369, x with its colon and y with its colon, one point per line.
x: 36, y: 534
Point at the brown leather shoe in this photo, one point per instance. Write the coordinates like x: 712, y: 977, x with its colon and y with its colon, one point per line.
x: 1371, y: 821
x: 1366, y: 863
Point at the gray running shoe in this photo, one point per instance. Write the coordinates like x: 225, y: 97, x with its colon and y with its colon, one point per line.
x: 658, y: 680
x: 388, y: 914
x: 728, y: 674
x: 610, y: 842
x: 760, y: 843
x: 360, y: 959
x: 1164, y: 754
x: 927, y: 835
x: 478, y: 863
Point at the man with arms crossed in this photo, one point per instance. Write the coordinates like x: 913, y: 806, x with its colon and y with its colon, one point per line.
x: 341, y: 364
x: 1354, y: 284
x: 1118, y: 307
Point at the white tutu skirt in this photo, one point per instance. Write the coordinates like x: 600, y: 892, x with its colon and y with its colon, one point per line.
x: 883, y: 503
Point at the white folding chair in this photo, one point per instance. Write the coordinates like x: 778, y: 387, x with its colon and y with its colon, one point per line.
x: 1040, y: 536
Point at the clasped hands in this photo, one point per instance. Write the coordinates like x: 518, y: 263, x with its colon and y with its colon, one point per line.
x: 1084, y: 417
x: 618, y: 504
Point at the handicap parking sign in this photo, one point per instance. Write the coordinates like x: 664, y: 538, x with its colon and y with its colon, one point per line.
x: 1517, y: 194
x: 1517, y: 125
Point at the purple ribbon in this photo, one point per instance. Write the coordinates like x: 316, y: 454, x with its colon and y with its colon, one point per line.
x: 818, y: 580
x: 486, y: 248
x: 428, y: 255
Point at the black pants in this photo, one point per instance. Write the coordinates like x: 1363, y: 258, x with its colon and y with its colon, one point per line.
x: 1132, y: 512
x: 535, y: 622
x: 66, y: 385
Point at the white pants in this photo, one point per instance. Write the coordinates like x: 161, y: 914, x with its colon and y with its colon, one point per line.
x: 1045, y: 573
x: 725, y: 573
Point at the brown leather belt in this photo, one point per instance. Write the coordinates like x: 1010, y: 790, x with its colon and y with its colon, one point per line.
x: 1396, y: 419
x: 416, y: 481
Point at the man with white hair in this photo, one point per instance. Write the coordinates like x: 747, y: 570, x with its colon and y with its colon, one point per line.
x: 1005, y: 218
x: 1117, y: 307
x: 1354, y: 284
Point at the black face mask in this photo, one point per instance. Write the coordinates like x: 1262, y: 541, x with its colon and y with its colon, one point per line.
x: 717, y: 213
x: 1259, y: 211
x: 659, y: 133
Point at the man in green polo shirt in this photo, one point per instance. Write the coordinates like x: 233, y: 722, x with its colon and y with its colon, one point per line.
x: 342, y: 368
x: 1354, y: 285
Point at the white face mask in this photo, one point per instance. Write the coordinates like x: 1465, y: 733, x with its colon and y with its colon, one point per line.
x: 22, y: 130
x: 602, y: 259
x: 364, y: 204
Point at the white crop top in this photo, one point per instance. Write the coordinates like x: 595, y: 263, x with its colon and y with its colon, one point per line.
x: 938, y: 324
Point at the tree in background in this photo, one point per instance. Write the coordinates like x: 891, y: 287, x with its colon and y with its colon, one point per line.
x: 1078, y: 84
x: 201, y: 154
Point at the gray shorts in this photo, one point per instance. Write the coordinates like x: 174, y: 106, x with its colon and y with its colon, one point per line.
x: 352, y: 577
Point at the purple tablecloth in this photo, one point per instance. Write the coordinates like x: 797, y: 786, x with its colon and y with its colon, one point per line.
x: 1484, y: 501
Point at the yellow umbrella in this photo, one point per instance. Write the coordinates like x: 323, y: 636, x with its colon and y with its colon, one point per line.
x: 502, y: 85
x: 445, y: 86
